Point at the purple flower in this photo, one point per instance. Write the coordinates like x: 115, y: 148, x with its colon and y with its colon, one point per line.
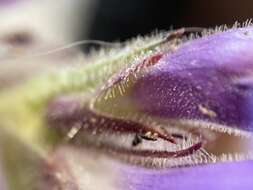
x: 207, y: 81
x: 180, y: 117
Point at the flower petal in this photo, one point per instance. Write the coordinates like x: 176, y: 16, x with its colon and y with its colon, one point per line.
x: 206, y: 79
x: 235, y: 175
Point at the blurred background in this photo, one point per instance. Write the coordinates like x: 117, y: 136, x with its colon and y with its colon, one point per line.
x: 119, y: 20
x: 115, y: 20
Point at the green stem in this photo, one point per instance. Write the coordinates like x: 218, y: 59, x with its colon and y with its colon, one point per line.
x: 22, y: 108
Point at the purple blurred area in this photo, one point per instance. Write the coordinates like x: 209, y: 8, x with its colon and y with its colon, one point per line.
x: 3, y: 185
x: 7, y: 2
x: 222, y: 176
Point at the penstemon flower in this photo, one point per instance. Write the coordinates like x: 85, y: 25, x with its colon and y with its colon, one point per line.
x: 171, y: 111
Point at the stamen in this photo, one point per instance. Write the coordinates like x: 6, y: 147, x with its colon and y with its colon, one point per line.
x: 160, y: 154
x: 93, y: 122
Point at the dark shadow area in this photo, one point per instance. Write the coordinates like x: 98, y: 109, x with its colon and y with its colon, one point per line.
x: 120, y: 20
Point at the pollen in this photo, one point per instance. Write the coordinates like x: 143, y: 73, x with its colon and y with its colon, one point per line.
x: 207, y: 111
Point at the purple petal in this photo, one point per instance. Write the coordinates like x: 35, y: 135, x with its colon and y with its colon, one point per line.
x: 222, y: 176
x: 207, y: 79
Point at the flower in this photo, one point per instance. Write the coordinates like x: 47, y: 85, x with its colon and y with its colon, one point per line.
x: 169, y: 114
x: 205, y: 83
x: 205, y: 79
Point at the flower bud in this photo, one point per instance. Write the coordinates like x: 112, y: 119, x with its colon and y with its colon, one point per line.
x: 208, y: 79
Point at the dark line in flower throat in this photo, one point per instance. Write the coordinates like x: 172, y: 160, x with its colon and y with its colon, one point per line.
x: 99, y: 124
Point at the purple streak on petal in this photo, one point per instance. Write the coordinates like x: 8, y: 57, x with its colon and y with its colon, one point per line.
x: 222, y: 176
x: 206, y: 73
